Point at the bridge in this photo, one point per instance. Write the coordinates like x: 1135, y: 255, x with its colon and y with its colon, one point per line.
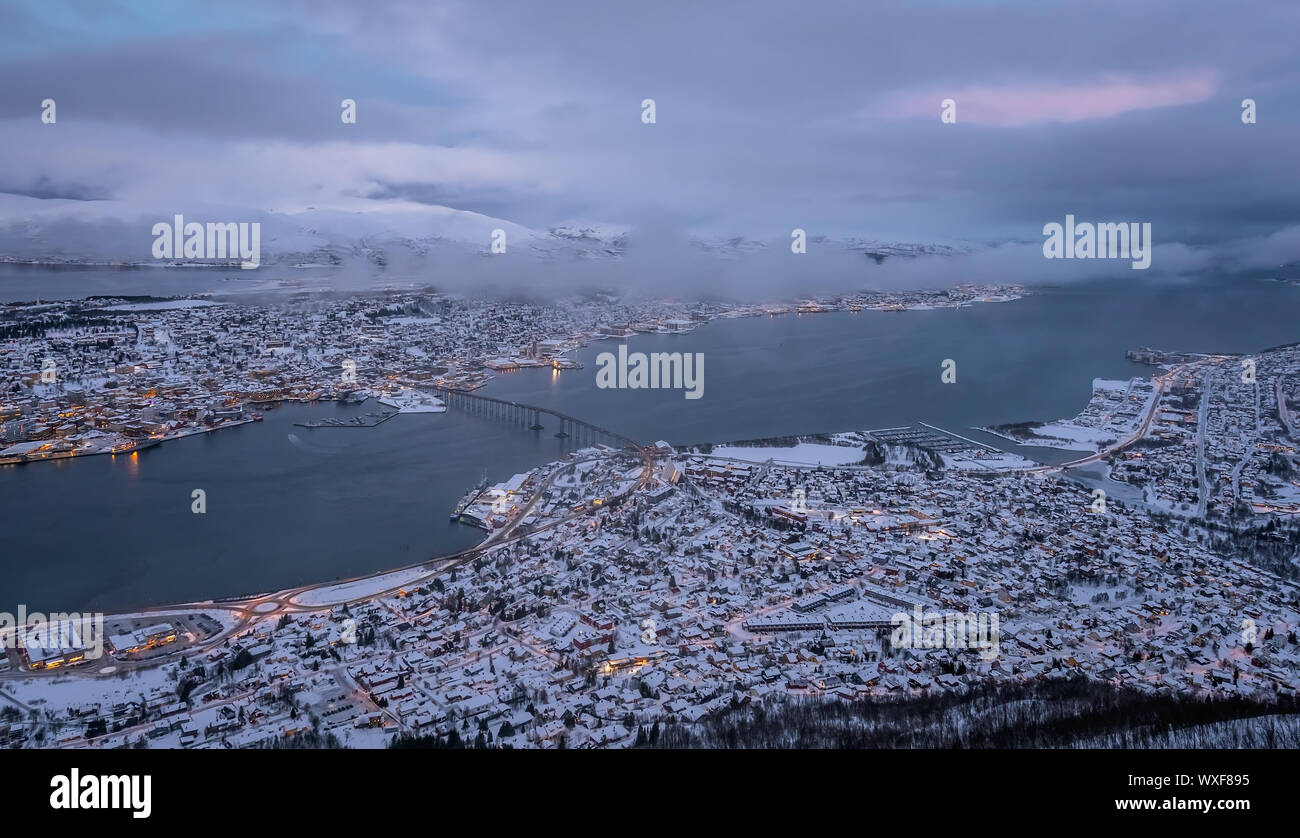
x: 530, y: 417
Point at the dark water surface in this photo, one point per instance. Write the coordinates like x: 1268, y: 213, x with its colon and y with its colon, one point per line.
x: 288, y: 505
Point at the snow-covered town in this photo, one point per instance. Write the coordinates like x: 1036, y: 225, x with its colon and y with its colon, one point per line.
x: 393, y: 378
x: 111, y: 376
x: 1208, y: 437
x: 623, y: 589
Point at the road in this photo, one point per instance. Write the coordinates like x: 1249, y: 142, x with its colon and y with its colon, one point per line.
x: 1161, y: 383
x: 1245, y: 457
x: 1283, y: 412
x: 261, y: 607
x: 1202, y: 485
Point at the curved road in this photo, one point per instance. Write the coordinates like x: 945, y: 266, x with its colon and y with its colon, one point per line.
x: 270, y: 605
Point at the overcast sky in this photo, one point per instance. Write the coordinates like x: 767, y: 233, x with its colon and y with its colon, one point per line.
x: 770, y: 115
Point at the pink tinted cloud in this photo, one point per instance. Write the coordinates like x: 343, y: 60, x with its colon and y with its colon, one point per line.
x: 1025, y: 104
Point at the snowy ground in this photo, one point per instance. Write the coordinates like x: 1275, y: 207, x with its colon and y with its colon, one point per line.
x: 803, y: 454
x: 1068, y: 436
x: 335, y: 594
x: 164, y: 305
x: 988, y: 461
x: 1096, y: 426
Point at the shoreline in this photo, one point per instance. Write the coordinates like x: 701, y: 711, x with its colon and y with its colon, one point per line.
x: 299, y: 598
x: 152, y: 442
x: 489, y: 377
x: 489, y: 374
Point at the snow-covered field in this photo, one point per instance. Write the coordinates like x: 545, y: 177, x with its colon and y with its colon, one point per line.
x: 335, y: 594
x: 162, y: 305
x: 988, y: 461
x: 79, y: 688
x: 1063, y: 434
x: 1096, y: 426
x: 803, y: 454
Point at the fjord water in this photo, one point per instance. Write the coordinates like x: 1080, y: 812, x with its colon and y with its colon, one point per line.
x: 289, y: 505
x: 1031, y: 359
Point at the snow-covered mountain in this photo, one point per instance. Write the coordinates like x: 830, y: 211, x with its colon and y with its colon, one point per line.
x: 60, y: 231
